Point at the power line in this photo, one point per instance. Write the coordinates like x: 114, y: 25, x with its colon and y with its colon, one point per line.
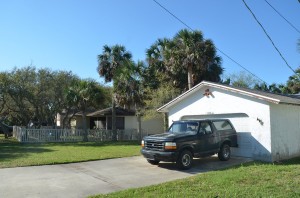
x: 268, y: 37
x: 283, y: 17
x: 178, y: 19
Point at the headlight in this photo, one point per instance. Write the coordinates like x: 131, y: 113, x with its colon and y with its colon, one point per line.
x: 170, y: 146
x: 143, y: 144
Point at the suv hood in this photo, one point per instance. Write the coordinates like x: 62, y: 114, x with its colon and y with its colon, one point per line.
x: 167, y: 136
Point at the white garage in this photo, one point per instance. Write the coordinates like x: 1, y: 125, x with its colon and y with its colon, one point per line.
x: 268, y: 125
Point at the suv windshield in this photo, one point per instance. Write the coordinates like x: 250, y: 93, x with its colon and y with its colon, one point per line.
x: 184, y: 127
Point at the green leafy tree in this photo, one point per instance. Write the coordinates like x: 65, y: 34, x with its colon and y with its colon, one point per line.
x: 293, y: 83
x: 112, y: 63
x: 84, y: 95
x: 188, y: 51
x: 156, y: 73
x: 273, y: 88
x: 187, y: 59
x: 242, y: 79
x: 158, y: 97
x: 34, y: 96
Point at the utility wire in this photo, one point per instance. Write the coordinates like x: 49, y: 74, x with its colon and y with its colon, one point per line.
x: 268, y: 37
x: 283, y: 17
x: 178, y: 19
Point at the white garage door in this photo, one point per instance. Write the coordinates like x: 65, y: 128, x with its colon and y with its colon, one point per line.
x: 240, y: 122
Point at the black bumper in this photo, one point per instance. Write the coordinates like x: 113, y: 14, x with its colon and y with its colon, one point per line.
x: 159, y: 155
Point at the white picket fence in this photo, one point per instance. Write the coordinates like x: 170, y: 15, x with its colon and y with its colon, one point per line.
x: 72, y: 135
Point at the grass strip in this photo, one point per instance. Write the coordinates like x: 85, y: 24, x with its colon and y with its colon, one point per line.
x: 15, y: 154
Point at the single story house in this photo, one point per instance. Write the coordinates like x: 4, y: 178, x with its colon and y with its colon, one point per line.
x: 126, y: 120
x: 268, y: 125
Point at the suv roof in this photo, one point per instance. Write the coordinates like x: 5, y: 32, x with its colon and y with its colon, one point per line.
x: 198, y: 120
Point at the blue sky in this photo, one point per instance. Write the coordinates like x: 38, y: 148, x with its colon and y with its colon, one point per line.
x: 69, y: 34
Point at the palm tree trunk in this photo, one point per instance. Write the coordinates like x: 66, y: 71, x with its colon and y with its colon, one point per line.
x: 166, y: 121
x: 113, y: 119
x: 190, y: 77
x: 85, y: 132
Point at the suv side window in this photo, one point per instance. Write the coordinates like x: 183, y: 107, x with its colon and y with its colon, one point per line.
x: 205, y: 128
x: 222, y: 125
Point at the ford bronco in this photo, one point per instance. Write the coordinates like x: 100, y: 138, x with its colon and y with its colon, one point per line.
x: 188, y: 139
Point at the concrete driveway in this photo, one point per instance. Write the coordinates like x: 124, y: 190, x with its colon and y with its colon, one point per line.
x: 104, y: 176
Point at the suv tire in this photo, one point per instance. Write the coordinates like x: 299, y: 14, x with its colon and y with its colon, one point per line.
x: 224, y: 153
x: 185, y: 160
x: 153, y: 162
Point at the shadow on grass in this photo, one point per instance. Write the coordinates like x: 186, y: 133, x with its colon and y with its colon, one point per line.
x: 214, y: 164
x: 10, y: 151
x: 93, y: 144
x: 13, y: 141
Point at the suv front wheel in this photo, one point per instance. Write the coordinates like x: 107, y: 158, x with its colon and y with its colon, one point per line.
x: 185, y: 160
x: 224, y: 153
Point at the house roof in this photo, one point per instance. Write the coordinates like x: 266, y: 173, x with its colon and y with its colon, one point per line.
x: 108, y: 111
x: 262, y: 95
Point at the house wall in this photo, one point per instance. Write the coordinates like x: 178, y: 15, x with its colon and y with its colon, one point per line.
x: 153, y: 126
x: 131, y: 122
x: 79, y: 122
x: 285, y: 125
x: 223, y: 102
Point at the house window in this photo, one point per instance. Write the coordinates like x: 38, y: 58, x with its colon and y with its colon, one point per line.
x: 120, y: 123
x: 98, y: 123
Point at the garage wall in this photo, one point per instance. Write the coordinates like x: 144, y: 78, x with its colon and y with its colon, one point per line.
x: 285, y: 125
x: 252, y: 132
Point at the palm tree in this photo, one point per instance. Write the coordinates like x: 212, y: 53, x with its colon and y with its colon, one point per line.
x: 293, y: 84
x: 186, y: 59
x: 83, y: 95
x: 112, y: 63
x: 156, y: 72
x: 189, y: 52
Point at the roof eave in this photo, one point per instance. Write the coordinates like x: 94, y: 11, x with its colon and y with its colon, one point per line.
x: 165, y: 107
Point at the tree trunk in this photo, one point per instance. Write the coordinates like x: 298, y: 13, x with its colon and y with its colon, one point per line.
x: 3, y: 127
x: 139, y: 125
x: 166, y: 121
x: 113, y: 119
x: 85, y: 132
x: 190, y: 77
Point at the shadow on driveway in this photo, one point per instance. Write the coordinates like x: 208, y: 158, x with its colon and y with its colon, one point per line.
x: 202, y: 165
x: 98, y: 177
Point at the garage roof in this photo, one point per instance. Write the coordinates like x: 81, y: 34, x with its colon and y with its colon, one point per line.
x: 262, y: 95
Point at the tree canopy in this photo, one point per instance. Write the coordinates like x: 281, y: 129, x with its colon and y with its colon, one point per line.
x: 186, y: 59
x: 35, y: 96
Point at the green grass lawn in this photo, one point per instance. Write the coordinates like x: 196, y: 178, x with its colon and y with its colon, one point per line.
x: 14, y: 154
x: 253, y: 179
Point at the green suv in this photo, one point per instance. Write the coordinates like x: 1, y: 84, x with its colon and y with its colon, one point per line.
x: 188, y: 139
